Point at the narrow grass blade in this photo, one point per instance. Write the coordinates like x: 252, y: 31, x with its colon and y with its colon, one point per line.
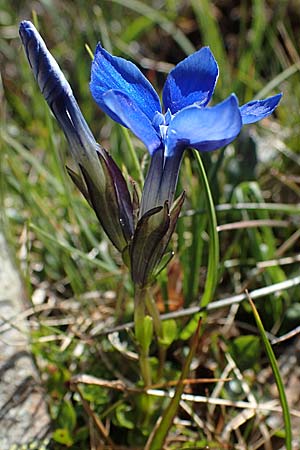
x: 279, y: 79
x: 276, y: 373
x: 74, y: 252
x: 158, y: 17
x: 160, y: 431
x: 32, y: 160
x: 135, y: 161
x: 213, y: 258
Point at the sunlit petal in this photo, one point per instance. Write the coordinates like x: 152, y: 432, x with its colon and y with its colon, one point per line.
x: 192, y: 81
x: 259, y: 109
x: 112, y: 72
x: 205, y: 129
x: 132, y: 117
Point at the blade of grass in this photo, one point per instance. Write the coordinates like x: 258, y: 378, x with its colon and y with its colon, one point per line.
x: 213, y: 250
x: 135, y: 161
x: 75, y: 252
x: 159, y: 18
x: 158, y: 436
x: 276, y: 207
x: 277, y: 376
x: 279, y: 79
x: 193, y: 256
x: 33, y: 161
x: 227, y: 207
x: 261, y: 245
x: 213, y: 258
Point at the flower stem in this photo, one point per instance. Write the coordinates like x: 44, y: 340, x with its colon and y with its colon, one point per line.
x: 157, y: 324
x: 154, y: 313
x: 213, y: 260
x: 142, y: 339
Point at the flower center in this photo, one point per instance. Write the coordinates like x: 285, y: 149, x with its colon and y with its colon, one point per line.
x: 161, y: 123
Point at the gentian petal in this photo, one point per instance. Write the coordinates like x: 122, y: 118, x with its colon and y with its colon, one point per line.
x: 204, y: 129
x: 45, y: 69
x: 192, y: 81
x: 130, y: 114
x: 112, y: 72
x: 59, y: 96
x: 259, y: 109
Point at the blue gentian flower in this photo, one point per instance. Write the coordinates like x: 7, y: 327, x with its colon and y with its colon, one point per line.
x: 126, y: 96
x: 122, y: 91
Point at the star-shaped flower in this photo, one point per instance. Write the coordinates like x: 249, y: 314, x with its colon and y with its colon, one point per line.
x: 122, y: 91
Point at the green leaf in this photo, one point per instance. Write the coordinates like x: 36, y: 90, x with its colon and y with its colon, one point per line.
x: 147, y: 242
x: 95, y: 395
x: 79, y: 183
x: 246, y: 351
x: 169, y: 332
x: 123, y: 415
x: 144, y: 333
x: 62, y: 436
x: 67, y: 416
x: 190, y: 328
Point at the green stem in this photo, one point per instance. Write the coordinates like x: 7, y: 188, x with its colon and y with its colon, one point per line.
x: 139, y: 320
x: 213, y: 250
x: 213, y: 253
x: 154, y: 313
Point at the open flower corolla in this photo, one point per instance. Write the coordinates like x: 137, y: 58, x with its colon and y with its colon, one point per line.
x: 122, y: 91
